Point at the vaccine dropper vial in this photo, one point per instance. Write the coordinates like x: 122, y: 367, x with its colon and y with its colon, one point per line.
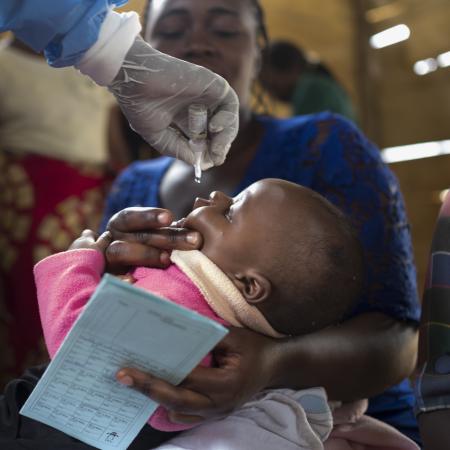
x: 198, y: 118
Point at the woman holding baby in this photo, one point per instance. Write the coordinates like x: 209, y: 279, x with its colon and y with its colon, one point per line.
x: 369, y: 354
x: 372, y: 350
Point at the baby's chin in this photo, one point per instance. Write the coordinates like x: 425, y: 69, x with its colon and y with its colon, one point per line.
x: 182, y: 223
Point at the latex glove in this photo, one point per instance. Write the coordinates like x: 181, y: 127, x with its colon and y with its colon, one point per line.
x: 154, y: 91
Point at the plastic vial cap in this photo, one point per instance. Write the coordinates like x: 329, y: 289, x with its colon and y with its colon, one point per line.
x: 198, y: 118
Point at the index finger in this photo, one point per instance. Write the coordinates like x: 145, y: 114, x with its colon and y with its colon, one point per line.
x: 163, y: 238
x: 139, y: 219
x: 174, y: 398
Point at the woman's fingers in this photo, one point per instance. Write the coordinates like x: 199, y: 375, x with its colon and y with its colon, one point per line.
x: 150, y: 249
x: 138, y: 219
x: 149, y: 227
x: 242, y: 361
x: 120, y: 254
x: 134, y: 247
x: 182, y: 402
x: 163, y: 238
x: 185, y: 418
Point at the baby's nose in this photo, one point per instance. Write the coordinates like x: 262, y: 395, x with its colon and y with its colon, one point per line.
x: 219, y: 198
x: 201, y: 202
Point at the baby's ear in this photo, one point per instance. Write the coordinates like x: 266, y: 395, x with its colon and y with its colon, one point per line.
x: 253, y: 286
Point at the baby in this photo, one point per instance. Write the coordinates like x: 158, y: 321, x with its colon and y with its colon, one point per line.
x: 278, y: 258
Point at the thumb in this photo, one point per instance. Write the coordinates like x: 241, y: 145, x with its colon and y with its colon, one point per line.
x: 230, y: 343
x: 103, y: 241
x: 171, y: 142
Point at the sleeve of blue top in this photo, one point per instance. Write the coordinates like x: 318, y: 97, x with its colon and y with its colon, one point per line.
x: 64, y: 29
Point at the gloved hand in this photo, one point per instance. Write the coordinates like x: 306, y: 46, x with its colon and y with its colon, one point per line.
x: 154, y: 91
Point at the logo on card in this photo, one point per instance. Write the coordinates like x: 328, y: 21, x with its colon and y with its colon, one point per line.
x: 111, y: 436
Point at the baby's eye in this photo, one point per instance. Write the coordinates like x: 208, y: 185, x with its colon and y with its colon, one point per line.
x: 227, y: 214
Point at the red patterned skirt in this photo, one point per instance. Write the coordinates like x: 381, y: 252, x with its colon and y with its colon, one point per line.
x: 44, y: 205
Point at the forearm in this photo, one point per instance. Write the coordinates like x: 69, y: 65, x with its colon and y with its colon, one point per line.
x: 357, y: 359
x: 71, y: 32
x: 64, y: 283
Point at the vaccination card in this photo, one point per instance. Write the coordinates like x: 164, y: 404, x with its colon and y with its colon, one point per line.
x: 121, y: 326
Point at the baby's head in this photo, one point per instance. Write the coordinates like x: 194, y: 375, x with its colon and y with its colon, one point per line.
x: 289, y: 251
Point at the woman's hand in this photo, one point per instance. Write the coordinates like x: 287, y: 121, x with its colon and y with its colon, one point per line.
x: 243, y: 362
x: 369, y: 352
x: 142, y: 237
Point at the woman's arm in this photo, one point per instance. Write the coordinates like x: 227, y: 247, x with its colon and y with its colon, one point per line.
x: 359, y: 358
x: 379, y: 342
x: 67, y: 29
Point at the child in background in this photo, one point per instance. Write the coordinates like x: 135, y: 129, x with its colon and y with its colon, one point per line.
x: 247, y: 273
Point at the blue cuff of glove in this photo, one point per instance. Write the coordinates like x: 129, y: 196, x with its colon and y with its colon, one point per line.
x: 104, y: 59
x: 67, y: 48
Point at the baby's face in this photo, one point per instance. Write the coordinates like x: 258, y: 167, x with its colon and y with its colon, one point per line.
x: 234, y: 229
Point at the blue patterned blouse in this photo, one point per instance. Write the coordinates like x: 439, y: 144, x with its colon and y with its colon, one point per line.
x: 331, y: 156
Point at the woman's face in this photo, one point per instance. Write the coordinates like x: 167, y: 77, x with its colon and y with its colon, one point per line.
x: 217, y: 34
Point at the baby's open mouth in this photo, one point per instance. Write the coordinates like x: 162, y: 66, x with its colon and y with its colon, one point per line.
x: 178, y: 223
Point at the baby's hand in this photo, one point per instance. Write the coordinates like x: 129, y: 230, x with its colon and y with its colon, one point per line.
x: 88, y: 239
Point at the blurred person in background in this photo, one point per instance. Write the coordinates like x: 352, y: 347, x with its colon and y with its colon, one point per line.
x: 53, y: 169
x: 309, y: 87
x: 433, y: 383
